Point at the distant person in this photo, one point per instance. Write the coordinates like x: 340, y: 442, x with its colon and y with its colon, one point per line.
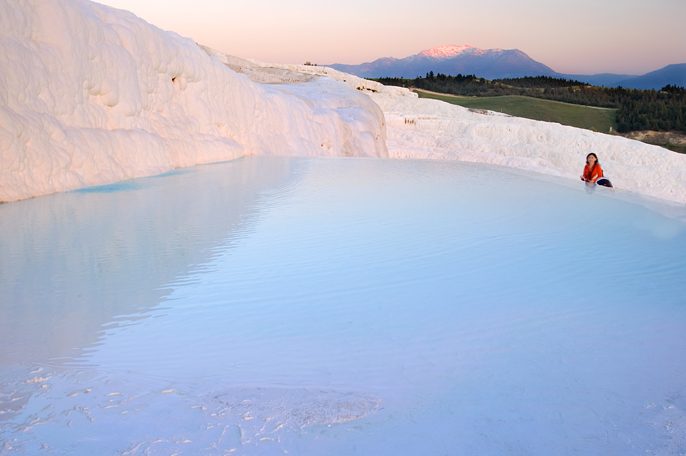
x: 593, y: 173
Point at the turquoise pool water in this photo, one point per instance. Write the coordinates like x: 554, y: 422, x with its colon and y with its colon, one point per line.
x: 343, y: 306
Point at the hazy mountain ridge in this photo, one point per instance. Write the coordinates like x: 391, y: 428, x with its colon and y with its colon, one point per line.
x: 674, y: 74
x: 499, y: 63
x: 490, y: 64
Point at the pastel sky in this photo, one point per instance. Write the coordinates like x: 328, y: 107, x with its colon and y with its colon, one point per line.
x: 580, y: 37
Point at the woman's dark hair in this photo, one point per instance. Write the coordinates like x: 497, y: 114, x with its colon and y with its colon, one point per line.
x: 596, y: 158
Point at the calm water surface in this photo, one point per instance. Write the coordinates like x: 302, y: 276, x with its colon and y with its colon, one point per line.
x: 343, y: 306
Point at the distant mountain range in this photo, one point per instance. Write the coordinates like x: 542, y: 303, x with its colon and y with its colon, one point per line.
x: 499, y: 63
x: 489, y: 64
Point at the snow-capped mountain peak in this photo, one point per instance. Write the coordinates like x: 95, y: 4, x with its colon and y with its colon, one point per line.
x: 444, y: 52
x: 452, y: 59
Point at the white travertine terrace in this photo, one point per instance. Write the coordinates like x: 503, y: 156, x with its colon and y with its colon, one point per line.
x: 91, y: 95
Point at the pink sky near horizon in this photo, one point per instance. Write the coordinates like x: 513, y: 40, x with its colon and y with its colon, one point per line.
x: 590, y: 37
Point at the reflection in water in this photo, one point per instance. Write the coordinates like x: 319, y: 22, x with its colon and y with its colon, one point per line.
x: 73, y: 262
x: 338, y: 306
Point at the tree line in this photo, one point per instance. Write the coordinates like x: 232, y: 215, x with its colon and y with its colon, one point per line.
x: 659, y: 110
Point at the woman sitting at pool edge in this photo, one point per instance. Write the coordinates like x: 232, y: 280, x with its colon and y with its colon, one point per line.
x: 593, y: 173
x: 592, y: 170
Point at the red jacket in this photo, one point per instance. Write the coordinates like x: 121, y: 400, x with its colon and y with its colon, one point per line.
x: 588, y: 172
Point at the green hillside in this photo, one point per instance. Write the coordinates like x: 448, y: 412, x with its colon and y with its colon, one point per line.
x: 591, y: 118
